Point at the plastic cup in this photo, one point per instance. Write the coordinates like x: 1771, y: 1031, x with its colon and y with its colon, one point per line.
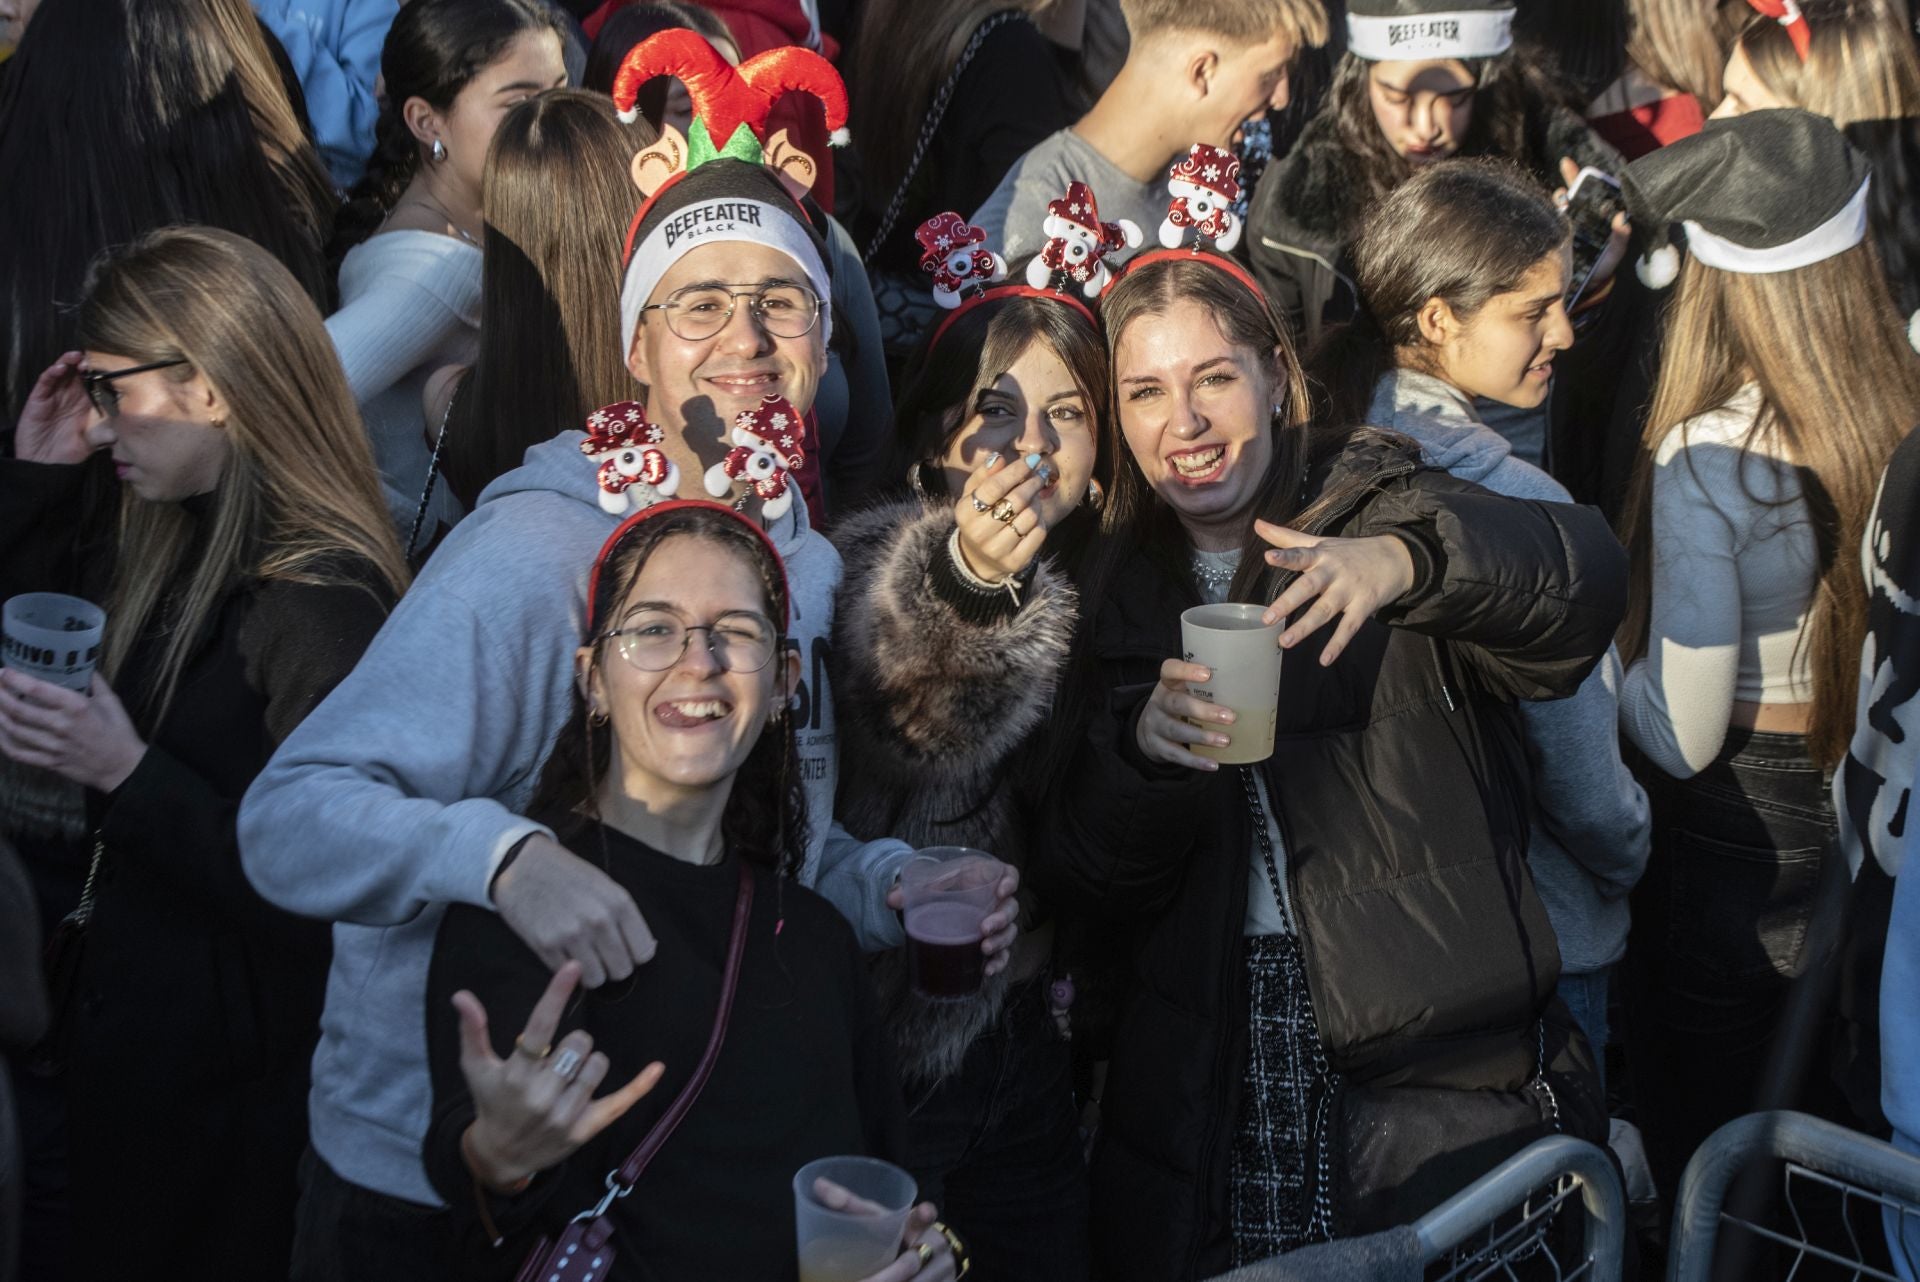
x: 949, y: 890
x: 1243, y: 654
x: 846, y: 1246
x: 52, y: 636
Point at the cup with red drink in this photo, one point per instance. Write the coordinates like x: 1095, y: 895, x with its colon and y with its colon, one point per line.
x: 949, y: 890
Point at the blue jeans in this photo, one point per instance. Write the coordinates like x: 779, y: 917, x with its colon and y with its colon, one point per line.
x: 997, y: 1147
x: 1586, y: 997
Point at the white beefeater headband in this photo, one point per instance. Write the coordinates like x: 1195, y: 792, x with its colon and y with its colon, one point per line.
x: 722, y: 220
x: 1468, y: 33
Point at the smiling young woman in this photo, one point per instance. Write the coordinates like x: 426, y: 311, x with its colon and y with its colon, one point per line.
x: 1285, y: 928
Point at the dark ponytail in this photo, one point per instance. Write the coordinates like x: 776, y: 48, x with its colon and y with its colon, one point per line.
x: 1460, y: 230
x: 434, y: 50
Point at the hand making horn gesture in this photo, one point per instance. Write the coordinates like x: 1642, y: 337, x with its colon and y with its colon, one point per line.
x: 534, y: 1107
x: 1001, y: 529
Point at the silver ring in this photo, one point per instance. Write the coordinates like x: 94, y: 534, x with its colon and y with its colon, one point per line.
x: 567, y: 1062
x: 978, y: 506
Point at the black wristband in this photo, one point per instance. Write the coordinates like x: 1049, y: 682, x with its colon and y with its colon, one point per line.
x: 506, y: 861
x: 972, y: 600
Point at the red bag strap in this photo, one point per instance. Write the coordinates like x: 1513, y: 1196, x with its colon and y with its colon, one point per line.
x: 629, y: 1172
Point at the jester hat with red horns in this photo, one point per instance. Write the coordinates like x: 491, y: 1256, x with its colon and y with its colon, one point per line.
x: 731, y: 104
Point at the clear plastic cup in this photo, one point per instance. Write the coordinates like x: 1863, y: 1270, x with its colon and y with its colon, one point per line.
x: 1243, y: 654
x: 948, y: 890
x: 52, y: 636
x: 848, y: 1245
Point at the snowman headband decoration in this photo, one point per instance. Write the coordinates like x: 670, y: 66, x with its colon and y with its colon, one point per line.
x: 1204, y: 187
x: 966, y: 274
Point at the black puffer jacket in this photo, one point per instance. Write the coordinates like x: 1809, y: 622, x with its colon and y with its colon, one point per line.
x: 1399, y: 776
x: 1306, y: 212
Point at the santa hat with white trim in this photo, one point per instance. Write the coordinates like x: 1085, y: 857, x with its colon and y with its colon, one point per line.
x: 1768, y: 191
x: 1415, y: 30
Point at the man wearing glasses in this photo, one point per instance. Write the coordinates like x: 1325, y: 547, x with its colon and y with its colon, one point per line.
x: 401, y: 792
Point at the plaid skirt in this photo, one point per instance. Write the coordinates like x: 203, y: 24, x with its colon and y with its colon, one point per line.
x: 1268, y: 1181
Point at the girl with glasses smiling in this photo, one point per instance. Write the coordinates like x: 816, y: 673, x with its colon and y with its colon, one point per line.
x: 677, y: 773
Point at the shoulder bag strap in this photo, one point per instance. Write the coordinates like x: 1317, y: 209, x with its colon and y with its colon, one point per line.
x: 637, y: 1160
x: 936, y: 111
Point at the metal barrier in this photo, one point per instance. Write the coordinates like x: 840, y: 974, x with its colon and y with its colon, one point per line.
x: 1501, y: 1222
x: 1817, y: 1155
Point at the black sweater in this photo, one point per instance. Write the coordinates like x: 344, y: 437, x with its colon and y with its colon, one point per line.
x: 197, y: 1003
x: 803, y: 1073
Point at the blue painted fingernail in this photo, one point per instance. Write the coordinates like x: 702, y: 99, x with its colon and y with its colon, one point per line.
x: 1033, y: 462
x: 993, y: 459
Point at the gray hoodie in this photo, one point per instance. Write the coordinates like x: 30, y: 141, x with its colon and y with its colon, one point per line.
x: 400, y: 793
x: 1590, y: 825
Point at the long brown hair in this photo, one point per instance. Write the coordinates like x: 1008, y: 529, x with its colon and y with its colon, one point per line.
x: 1835, y: 401
x: 1683, y: 44
x: 298, y: 497
x: 1861, y: 62
x: 1136, y: 519
x: 557, y: 199
x: 1462, y: 230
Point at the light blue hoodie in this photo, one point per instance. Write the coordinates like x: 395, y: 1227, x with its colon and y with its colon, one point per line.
x: 400, y: 793
x: 334, y: 46
x: 1591, y: 827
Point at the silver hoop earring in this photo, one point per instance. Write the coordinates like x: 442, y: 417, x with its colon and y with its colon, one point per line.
x: 439, y: 151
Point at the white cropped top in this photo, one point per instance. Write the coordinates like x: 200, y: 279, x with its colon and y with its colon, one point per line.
x: 1735, y: 568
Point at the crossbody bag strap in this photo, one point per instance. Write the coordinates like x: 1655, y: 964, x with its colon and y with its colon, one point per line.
x: 637, y: 1160
x: 936, y: 112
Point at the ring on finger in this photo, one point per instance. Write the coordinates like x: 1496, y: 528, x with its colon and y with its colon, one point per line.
x: 978, y: 506
x: 926, y: 1254
x: 1004, y: 512
x: 567, y: 1062
x: 521, y: 1048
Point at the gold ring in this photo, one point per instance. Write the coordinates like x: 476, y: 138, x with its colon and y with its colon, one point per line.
x: 926, y: 1254
x: 1003, y: 511
x: 521, y: 1048
x: 960, y: 1261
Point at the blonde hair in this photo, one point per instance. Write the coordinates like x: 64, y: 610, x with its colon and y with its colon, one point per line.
x: 297, y: 495
x: 1861, y: 63
x: 1836, y: 400
x: 1302, y: 22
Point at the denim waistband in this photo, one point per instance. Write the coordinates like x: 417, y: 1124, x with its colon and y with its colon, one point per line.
x: 1765, y: 745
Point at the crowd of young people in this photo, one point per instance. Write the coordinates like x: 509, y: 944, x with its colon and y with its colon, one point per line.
x: 557, y: 582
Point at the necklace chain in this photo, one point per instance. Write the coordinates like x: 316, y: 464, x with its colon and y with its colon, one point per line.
x: 1214, y: 576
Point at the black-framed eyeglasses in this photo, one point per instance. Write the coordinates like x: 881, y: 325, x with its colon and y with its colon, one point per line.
x: 98, y: 384
x: 654, y: 640
x: 701, y: 311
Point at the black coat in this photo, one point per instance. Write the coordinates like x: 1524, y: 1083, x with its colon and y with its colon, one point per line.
x: 196, y: 1005
x: 1399, y: 777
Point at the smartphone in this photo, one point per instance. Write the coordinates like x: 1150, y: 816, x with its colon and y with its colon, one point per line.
x: 1592, y: 202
